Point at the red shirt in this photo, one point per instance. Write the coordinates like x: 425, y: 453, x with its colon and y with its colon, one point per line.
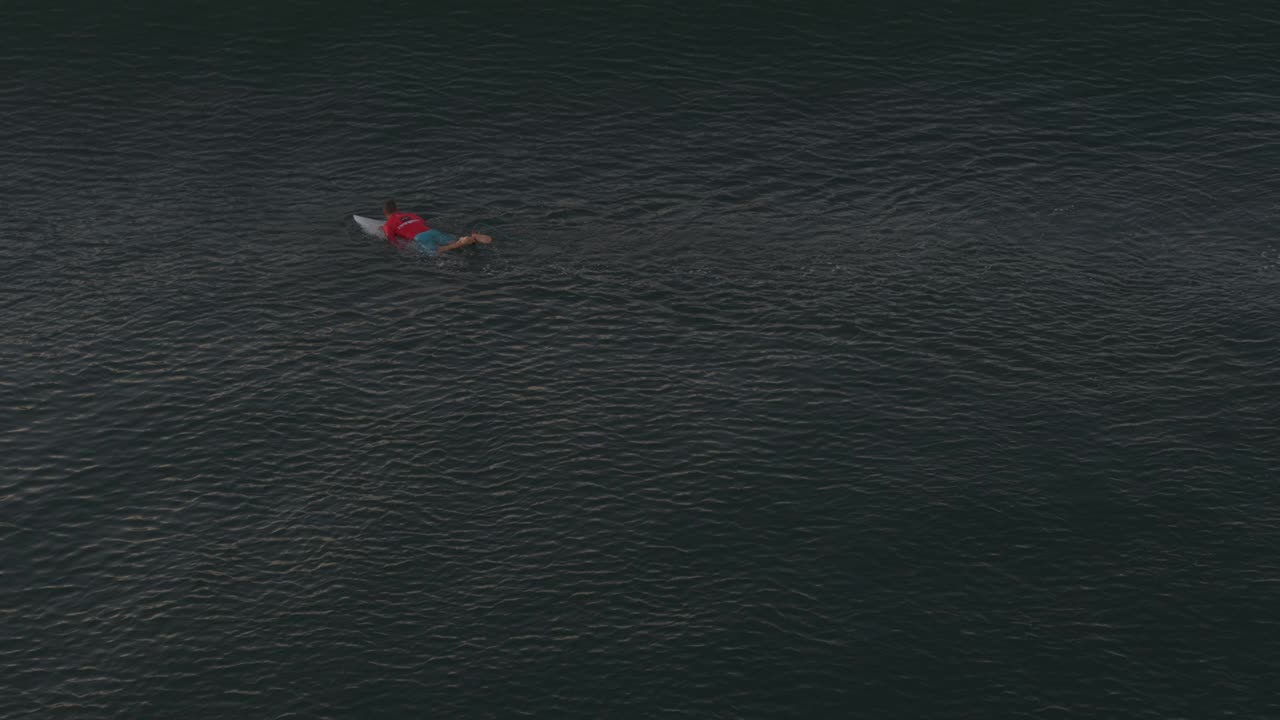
x: 401, y: 227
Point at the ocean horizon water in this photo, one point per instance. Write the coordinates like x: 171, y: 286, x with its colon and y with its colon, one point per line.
x: 876, y: 361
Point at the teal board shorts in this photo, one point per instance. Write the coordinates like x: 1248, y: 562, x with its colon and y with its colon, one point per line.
x: 428, y: 241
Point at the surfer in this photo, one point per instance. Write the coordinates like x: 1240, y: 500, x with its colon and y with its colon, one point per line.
x: 402, y: 228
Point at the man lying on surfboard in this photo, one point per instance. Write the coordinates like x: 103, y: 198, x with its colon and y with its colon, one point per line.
x: 402, y: 228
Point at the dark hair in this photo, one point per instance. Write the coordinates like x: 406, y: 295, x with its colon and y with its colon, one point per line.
x: 389, y: 206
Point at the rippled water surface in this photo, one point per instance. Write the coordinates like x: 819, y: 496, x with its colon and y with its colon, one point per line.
x: 896, y: 361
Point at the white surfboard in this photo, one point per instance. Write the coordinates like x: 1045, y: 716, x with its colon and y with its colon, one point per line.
x: 369, y: 225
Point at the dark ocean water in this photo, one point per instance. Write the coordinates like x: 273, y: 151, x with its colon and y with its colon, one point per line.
x: 897, y: 360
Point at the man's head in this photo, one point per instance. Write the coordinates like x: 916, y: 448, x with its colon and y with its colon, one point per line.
x: 389, y: 208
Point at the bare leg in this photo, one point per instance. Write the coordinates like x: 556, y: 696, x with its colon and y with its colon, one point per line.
x: 464, y: 241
